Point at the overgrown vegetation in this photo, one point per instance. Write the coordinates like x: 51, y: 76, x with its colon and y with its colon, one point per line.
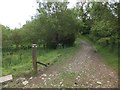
x: 110, y: 56
x: 20, y: 62
x: 56, y: 26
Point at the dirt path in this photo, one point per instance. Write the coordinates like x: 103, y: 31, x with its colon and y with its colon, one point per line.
x: 86, y: 69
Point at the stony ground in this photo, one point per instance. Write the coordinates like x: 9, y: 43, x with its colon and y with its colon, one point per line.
x: 86, y: 69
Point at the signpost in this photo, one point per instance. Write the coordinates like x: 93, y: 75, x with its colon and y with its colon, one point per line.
x: 34, y: 57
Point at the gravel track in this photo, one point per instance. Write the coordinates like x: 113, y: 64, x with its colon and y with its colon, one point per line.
x: 89, y: 67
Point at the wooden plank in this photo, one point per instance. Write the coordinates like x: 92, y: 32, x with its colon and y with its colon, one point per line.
x: 5, y: 78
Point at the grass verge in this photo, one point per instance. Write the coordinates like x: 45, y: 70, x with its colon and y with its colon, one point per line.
x: 20, y: 62
x: 110, y: 57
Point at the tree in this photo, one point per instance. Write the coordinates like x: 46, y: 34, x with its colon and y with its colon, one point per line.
x: 58, y: 24
x: 82, y: 11
x: 16, y: 38
x: 105, y: 26
x: 6, y: 38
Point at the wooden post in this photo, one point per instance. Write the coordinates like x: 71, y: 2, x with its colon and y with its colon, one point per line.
x: 34, y: 57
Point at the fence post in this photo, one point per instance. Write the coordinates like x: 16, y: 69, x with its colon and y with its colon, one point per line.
x: 34, y: 57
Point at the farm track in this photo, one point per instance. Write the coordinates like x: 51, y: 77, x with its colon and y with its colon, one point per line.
x: 89, y: 67
x: 85, y: 69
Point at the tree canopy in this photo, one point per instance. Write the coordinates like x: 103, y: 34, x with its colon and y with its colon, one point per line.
x: 56, y: 24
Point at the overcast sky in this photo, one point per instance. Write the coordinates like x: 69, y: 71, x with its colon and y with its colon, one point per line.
x: 14, y: 13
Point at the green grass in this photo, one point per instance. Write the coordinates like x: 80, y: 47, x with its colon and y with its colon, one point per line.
x: 22, y: 65
x: 110, y: 57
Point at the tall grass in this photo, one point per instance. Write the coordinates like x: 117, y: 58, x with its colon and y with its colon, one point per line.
x: 110, y: 57
x: 20, y: 62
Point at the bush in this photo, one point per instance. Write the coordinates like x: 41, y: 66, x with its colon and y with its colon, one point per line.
x: 69, y: 40
x: 104, y: 41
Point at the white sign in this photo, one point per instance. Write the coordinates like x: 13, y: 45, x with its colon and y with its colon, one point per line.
x: 5, y: 78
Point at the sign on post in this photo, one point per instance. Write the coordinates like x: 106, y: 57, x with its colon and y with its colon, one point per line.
x: 34, y: 57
